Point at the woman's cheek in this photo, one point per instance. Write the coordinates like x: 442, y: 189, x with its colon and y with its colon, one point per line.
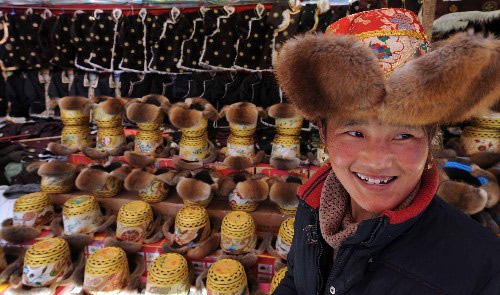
x: 343, y: 152
x: 414, y: 154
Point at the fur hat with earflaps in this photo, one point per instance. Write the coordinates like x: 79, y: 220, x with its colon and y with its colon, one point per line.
x: 378, y: 64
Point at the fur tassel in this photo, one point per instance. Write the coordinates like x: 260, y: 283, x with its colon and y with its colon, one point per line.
x: 459, y: 79
x: 308, y: 69
x: 91, y: 179
x: 138, y: 180
x: 193, y: 190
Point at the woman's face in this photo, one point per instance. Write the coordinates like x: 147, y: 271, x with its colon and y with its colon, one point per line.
x: 378, y: 164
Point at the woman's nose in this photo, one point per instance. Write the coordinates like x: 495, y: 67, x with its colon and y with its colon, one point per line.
x: 376, y: 155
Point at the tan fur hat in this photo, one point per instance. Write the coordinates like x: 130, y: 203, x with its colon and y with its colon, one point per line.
x: 377, y: 64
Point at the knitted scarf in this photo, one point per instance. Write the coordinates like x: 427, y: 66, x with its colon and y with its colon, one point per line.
x: 335, y: 218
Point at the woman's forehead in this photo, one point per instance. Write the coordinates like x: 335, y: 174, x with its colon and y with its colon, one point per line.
x: 372, y: 122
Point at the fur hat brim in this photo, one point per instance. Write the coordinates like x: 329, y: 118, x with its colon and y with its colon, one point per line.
x: 113, y: 106
x: 182, y: 117
x: 193, y: 189
x: 337, y: 76
x: 137, y: 159
x: 244, y: 113
x: 56, y: 168
x: 284, y: 194
x: 138, y: 180
x: 282, y: 110
x: 256, y: 190
x: 143, y: 112
x: 91, y: 179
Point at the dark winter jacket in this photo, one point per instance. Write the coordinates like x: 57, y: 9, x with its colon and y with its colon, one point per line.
x: 427, y: 248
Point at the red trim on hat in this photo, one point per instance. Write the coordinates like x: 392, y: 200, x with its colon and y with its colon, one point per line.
x: 310, y: 192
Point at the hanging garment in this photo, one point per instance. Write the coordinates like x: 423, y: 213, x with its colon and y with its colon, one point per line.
x: 193, y: 46
x: 106, y: 52
x: 47, y: 47
x: 166, y: 51
x: 82, y: 40
x: 82, y: 84
x: 134, y: 40
x: 219, y: 47
x: 25, y: 94
x: 64, y: 53
x: 135, y: 85
x: 22, y: 48
x: 289, y: 25
x: 60, y: 84
x: 255, y: 46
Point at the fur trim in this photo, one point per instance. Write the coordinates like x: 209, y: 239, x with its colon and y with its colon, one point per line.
x: 73, y: 102
x: 143, y: 112
x: 238, y: 162
x: 113, y: 106
x: 139, y: 160
x: 91, y: 179
x: 183, y: 165
x: 243, y: 113
x: 284, y: 194
x: 95, y: 153
x: 19, y: 234
x: 205, y: 248
x: 193, y: 190
x: 78, y: 242
x: 282, y: 110
x: 184, y: 118
x: 162, y: 100
x: 56, y: 168
x: 284, y: 164
x: 464, y: 197
x: 485, y: 160
x: 256, y: 190
x: 450, y: 84
x: 308, y: 70
x: 138, y: 180
x: 127, y: 246
x: 59, y: 149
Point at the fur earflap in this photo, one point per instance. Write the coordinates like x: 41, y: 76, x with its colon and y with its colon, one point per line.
x: 485, y: 160
x: 243, y: 113
x: 56, y: 168
x: 282, y: 110
x: 256, y: 190
x: 138, y: 180
x: 313, y: 71
x: 142, y: 112
x: 284, y: 194
x: 139, y: 160
x: 91, y: 179
x: 113, y: 106
x: 18, y: 234
x: 73, y: 102
x: 464, y: 197
x: 459, y: 79
x: 182, y: 117
x: 284, y: 164
x: 193, y: 190
x: 238, y: 162
x: 58, y: 149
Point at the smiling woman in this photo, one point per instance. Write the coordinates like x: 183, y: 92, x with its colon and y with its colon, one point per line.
x: 369, y: 222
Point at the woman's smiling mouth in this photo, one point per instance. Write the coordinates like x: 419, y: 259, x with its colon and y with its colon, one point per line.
x: 375, y: 180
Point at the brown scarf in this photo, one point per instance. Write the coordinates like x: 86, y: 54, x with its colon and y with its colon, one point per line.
x: 335, y: 218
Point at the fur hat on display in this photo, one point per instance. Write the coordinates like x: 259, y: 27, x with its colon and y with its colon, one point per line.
x: 244, y: 190
x: 198, y: 187
x: 283, y: 192
x: 285, y: 154
x: 242, y: 118
x: 103, y: 180
x: 378, y: 64
x: 191, y: 117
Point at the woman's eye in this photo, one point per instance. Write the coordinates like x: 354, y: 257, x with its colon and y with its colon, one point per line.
x: 355, y: 133
x: 403, y: 136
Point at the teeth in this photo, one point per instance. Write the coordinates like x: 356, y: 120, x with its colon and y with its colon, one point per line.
x: 372, y: 180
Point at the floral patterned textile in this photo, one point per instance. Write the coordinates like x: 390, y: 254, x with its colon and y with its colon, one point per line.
x: 394, y: 35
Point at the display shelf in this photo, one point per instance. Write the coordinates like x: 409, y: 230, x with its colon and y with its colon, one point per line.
x: 267, y: 217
